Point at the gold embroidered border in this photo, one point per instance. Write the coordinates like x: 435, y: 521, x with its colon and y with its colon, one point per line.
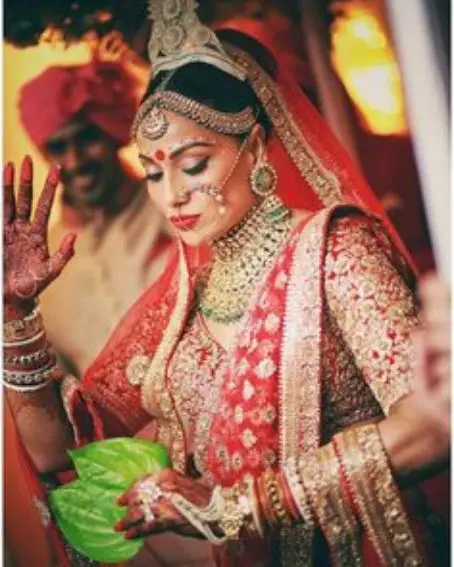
x: 154, y: 387
x: 297, y: 491
x: 376, y: 496
x: 358, y: 483
x: 299, y: 380
x: 387, y: 497
x: 321, y: 474
x: 205, y: 420
x: 324, y: 182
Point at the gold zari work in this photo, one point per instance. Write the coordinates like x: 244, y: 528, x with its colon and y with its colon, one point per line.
x: 377, y: 496
x: 320, y: 475
x: 324, y: 182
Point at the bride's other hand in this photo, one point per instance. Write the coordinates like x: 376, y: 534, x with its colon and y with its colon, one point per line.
x: 433, y: 354
x: 150, y: 510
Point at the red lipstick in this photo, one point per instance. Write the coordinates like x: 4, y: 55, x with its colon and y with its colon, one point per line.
x: 185, y: 222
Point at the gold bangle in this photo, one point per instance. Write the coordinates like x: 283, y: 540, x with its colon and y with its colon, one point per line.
x: 256, y: 524
x: 19, y: 330
x: 263, y: 501
x: 275, y: 498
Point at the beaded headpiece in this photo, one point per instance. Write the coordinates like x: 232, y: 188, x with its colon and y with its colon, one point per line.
x: 178, y: 37
x: 153, y: 122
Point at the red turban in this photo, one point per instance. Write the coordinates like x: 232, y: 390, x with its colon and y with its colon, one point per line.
x: 104, y: 93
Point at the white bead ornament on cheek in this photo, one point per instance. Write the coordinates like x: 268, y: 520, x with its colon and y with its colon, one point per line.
x: 211, y: 191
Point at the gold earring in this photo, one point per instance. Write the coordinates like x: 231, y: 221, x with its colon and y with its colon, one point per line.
x: 263, y: 178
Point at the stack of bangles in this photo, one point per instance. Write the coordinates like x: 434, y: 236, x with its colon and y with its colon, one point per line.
x: 29, y: 363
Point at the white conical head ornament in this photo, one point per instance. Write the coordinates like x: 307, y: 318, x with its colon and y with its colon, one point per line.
x: 178, y: 37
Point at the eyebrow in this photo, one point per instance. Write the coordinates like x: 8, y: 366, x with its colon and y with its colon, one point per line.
x: 178, y: 151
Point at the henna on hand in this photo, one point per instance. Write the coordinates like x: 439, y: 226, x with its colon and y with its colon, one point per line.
x: 25, y: 194
x: 28, y: 267
x: 165, y: 516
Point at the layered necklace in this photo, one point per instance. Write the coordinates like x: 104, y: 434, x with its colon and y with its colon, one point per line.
x: 241, y: 257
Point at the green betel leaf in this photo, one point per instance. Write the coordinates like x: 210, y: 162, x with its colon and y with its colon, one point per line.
x: 86, y: 515
x: 117, y: 463
x: 86, y: 510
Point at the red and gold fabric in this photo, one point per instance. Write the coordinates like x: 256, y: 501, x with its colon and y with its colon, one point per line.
x: 324, y: 345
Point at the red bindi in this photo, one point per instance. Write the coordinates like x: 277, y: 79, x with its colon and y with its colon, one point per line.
x: 160, y: 155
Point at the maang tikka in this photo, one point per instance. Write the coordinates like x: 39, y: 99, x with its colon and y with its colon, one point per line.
x: 155, y: 124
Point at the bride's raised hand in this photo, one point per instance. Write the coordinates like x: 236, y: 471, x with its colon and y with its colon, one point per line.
x: 28, y: 267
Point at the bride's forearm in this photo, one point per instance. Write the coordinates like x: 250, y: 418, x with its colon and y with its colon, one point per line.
x: 349, y: 484
x: 415, y: 449
x: 356, y: 479
x: 42, y: 425
x: 29, y: 376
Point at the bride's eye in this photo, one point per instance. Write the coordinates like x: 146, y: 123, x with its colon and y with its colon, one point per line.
x: 197, y: 168
x: 154, y: 177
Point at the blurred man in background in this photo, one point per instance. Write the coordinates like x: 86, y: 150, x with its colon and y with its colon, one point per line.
x: 80, y: 117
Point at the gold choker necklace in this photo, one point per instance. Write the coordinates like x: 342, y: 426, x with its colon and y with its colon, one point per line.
x: 241, y: 257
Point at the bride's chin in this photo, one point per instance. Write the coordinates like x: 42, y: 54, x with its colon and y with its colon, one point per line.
x: 194, y: 238
x: 207, y: 234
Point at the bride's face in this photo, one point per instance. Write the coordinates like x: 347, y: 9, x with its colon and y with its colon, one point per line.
x: 185, y: 171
